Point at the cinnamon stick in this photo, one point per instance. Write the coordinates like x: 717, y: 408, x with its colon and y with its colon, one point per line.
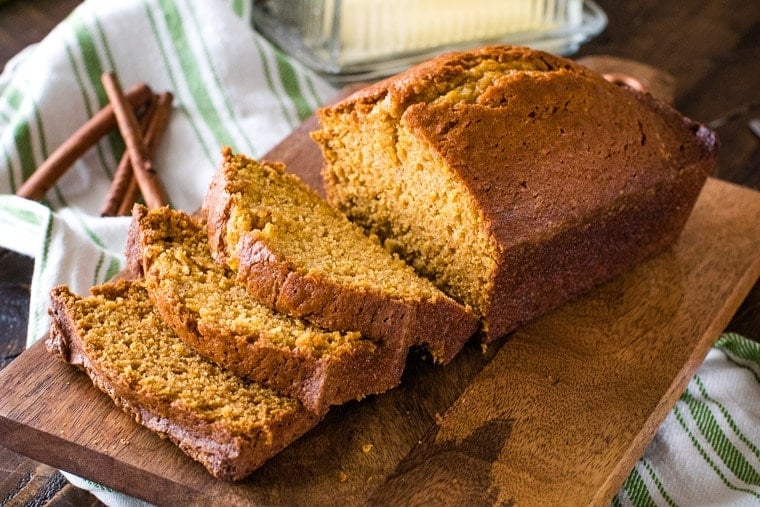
x: 129, y: 198
x: 122, y: 177
x: 75, y: 146
x: 153, y: 135
x: 142, y: 167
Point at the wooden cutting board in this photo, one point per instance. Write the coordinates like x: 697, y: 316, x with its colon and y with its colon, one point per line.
x: 556, y: 413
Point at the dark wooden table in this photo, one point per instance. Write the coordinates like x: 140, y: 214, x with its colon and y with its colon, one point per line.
x: 711, y: 49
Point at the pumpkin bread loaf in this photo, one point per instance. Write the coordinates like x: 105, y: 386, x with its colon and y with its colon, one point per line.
x: 228, y: 424
x: 301, y: 257
x: 201, y: 300
x: 513, y: 178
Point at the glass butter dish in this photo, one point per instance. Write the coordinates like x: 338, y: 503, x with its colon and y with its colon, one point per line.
x: 350, y: 40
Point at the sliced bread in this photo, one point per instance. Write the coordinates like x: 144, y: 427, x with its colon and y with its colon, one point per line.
x: 228, y: 424
x: 202, y: 301
x: 299, y: 256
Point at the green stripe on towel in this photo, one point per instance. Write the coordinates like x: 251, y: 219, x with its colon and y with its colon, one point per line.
x: 289, y: 81
x: 657, y: 482
x: 90, y: 105
x: 192, y: 74
x: 176, y: 86
x: 219, y: 87
x: 706, y: 457
x: 40, y: 265
x: 740, y: 347
x: 730, y: 420
x: 636, y: 490
x: 713, y: 433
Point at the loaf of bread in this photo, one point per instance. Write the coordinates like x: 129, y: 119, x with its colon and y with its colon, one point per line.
x: 205, y: 305
x: 514, y: 179
x: 301, y: 257
x: 228, y: 424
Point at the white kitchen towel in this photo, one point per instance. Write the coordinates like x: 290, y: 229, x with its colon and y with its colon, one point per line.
x: 233, y: 88
x: 230, y: 88
x: 707, y: 451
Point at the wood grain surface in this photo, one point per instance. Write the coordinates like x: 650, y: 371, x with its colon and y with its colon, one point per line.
x: 560, y: 410
x: 712, y: 50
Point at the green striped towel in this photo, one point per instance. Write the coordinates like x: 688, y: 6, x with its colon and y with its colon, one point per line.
x: 232, y: 87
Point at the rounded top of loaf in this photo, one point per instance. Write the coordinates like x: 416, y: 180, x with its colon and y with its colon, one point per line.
x: 430, y: 79
x: 536, y: 139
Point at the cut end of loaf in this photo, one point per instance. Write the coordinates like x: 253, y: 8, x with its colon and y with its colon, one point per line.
x: 475, y: 164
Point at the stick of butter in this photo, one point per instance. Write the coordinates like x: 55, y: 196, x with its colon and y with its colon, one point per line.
x: 369, y: 29
x: 370, y: 38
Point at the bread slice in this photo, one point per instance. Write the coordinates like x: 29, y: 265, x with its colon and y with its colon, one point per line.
x: 230, y: 425
x: 513, y: 178
x: 301, y: 257
x: 201, y: 300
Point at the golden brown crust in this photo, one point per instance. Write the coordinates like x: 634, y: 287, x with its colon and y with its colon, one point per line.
x: 424, y: 81
x: 133, y: 249
x: 225, y: 456
x: 274, y: 281
x: 395, y: 323
x: 216, y: 209
x: 572, y: 174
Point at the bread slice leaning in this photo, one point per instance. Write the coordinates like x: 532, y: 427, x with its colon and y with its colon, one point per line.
x: 205, y: 305
x: 228, y: 424
x: 301, y: 257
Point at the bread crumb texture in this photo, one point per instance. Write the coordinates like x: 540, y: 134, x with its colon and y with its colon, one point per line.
x: 278, y: 209
x: 132, y: 347
x: 181, y: 268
